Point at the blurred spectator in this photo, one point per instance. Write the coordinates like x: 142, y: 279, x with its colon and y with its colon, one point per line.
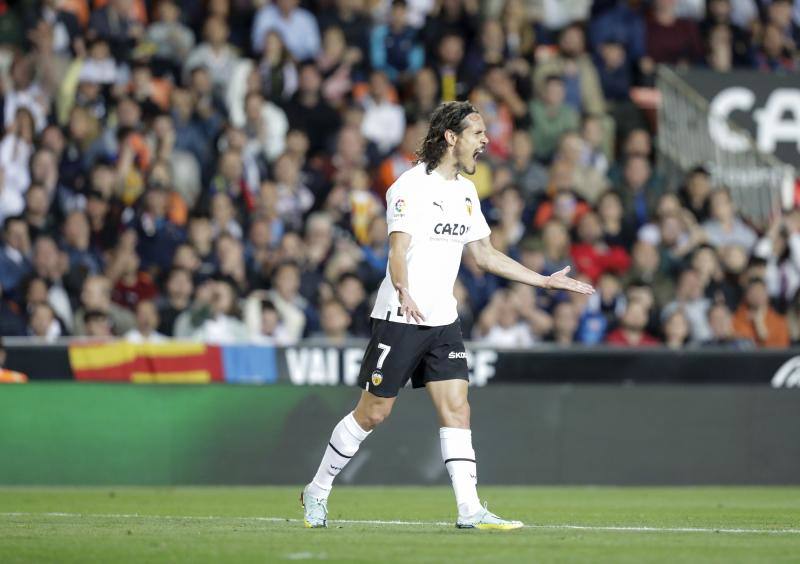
x: 565, y: 324
x: 451, y: 18
x: 501, y: 325
x: 588, y: 182
x: 394, y: 48
x: 639, y: 190
x: 264, y: 322
x: 675, y: 327
x: 722, y: 333
x: 42, y: 323
x: 297, y: 27
x: 724, y: 227
x: 50, y: 264
x: 401, y: 159
x: 277, y: 71
x: 308, y: 111
x: 551, y: 117
x: 592, y: 255
x: 131, y: 285
x: 350, y: 17
x: 37, y: 212
x: 350, y: 293
x: 528, y: 173
x: 384, y: 122
x: 777, y: 53
x: 646, y: 268
x: 671, y: 39
x: 215, y: 54
x: 157, y: 236
x: 285, y: 296
x: 453, y: 77
x: 631, y: 332
x: 97, y: 325
x: 335, y: 321
x: 690, y: 299
x: 14, y: 254
x: 614, y: 70
x: 77, y: 244
x: 780, y: 248
x: 12, y: 321
x: 616, y: 230
x: 758, y: 321
x: 214, y: 315
x: 95, y: 298
x: 578, y: 73
x: 16, y: 149
x: 592, y: 324
x: 696, y: 192
x: 176, y: 300
x: 172, y: 39
x: 147, y: 323
x: 425, y: 96
x: 116, y: 23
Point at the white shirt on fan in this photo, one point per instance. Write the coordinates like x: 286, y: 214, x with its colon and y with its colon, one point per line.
x: 441, y: 216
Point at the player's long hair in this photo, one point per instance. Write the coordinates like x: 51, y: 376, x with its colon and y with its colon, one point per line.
x: 450, y: 115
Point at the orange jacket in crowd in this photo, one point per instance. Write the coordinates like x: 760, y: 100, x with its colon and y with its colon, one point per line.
x: 777, y: 328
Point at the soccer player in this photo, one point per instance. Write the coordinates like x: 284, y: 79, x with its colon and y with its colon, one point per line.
x: 433, y: 211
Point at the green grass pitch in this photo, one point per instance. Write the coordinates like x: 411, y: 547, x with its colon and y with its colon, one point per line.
x: 398, y: 524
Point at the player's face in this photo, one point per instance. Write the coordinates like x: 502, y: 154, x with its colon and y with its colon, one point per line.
x: 470, y: 144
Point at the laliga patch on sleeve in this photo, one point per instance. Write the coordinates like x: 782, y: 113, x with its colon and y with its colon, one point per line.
x: 399, y: 208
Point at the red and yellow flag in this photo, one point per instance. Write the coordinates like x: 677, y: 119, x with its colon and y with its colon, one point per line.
x: 172, y: 362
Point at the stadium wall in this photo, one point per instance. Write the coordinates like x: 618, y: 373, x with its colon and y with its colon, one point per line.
x: 113, y: 434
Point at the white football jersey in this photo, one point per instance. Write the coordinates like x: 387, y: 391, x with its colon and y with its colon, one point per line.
x: 441, y: 216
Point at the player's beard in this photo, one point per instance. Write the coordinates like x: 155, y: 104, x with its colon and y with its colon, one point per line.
x: 468, y: 164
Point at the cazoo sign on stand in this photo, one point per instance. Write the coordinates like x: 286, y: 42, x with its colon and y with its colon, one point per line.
x: 766, y: 105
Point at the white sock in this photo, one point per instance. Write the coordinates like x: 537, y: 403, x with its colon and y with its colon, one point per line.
x: 345, y: 440
x: 459, y: 459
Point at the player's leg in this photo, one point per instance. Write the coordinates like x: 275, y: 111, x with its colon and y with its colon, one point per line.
x: 445, y: 376
x: 346, y: 438
x: 452, y: 407
x: 384, y: 370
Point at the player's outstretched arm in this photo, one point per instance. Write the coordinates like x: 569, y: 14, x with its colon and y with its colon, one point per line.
x: 492, y: 260
x: 398, y: 270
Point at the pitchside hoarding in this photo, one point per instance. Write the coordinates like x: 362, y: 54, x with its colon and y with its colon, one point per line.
x: 767, y: 105
x: 312, y: 363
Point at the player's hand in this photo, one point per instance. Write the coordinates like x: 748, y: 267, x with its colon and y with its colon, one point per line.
x: 560, y: 281
x: 408, y: 308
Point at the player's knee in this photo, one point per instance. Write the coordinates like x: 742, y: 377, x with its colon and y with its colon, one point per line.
x: 369, y: 417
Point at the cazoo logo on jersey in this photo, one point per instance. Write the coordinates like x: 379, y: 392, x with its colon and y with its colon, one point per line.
x: 456, y: 229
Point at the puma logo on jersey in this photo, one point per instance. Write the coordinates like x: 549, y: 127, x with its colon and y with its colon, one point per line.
x: 439, y: 205
x: 450, y: 229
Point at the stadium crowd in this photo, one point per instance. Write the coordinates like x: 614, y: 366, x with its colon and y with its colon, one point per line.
x: 217, y: 169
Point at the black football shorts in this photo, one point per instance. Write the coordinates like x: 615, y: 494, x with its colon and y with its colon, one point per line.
x: 398, y: 352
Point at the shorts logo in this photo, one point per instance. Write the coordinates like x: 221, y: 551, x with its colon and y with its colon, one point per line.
x: 468, y: 202
x: 454, y: 355
x: 400, y: 206
x: 377, y: 378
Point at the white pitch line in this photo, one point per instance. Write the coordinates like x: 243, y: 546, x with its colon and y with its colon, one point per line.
x: 612, y: 528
